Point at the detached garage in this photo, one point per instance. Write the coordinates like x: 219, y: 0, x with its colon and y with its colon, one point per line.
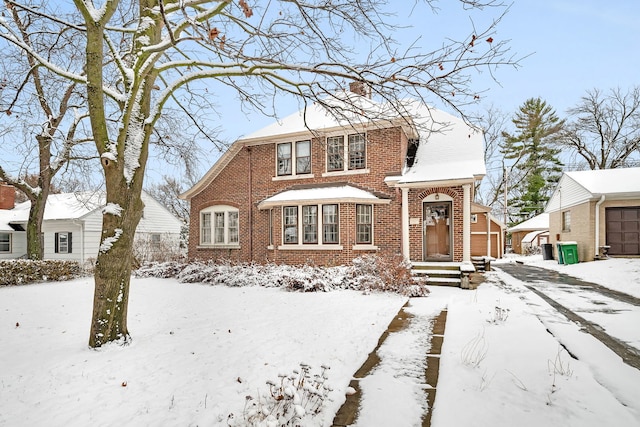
x: 623, y: 230
x: 599, y: 209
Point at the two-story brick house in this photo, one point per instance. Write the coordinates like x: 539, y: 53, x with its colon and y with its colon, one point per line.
x: 318, y: 188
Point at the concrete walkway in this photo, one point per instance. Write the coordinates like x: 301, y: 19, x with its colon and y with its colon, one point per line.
x: 348, y: 414
x: 535, y: 279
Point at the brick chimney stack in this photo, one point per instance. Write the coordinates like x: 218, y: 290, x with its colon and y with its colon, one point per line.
x: 7, y: 196
x: 360, y: 88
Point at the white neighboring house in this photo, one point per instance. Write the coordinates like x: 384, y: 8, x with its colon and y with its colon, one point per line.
x: 73, y: 223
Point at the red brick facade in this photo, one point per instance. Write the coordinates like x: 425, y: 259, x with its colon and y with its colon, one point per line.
x: 249, y: 177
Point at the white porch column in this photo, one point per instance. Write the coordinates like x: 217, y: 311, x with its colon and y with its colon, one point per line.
x: 405, y: 224
x: 466, y: 223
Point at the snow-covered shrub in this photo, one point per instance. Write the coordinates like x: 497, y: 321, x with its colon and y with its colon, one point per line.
x: 23, y: 271
x: 289, y: 401
x: 368, y: 273
x: 388, y: 274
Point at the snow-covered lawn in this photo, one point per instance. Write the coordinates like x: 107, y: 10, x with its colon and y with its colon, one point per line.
x: 199, y: 350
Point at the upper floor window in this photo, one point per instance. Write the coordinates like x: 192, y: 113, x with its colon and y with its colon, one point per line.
x: 355, y: 151
x: 288, y: 157
x: 335, y: 153
x: 219, y: 226
x: 62, y: 243
x: 5, y: 242
x: 566, y: 221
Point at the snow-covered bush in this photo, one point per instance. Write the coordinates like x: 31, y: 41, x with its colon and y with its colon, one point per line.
x: 368, y: 273
x: 289, y: 401
x: 24, y: 271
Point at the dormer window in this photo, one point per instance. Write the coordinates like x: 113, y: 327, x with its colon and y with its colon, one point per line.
x: 411, y: 151
x: 288, y: 157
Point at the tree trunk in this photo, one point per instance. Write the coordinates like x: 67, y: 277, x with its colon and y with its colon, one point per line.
x: 35, y: 244
x: 113, y: 268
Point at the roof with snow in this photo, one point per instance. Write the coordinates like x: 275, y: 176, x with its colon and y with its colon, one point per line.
x: 578, y: 187
x: 448, y: 149
x: 538, y: 222
x: 61, y: 206
x: 608, y: 181
x: 326, y: 194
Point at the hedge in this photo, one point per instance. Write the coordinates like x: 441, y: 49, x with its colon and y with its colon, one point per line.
x: 22, y: 271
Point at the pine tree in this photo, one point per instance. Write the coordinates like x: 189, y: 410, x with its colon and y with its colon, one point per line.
x: 535, y: 156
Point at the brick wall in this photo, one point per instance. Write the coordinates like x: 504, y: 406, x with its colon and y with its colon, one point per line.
x: 248, y: 179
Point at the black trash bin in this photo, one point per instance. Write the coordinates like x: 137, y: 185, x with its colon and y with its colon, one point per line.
x: 547, y: 251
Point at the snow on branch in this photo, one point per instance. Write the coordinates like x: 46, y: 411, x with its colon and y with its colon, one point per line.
x: 108, y: 242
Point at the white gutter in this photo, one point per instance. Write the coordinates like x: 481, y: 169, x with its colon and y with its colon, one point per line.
x: 597, y: 230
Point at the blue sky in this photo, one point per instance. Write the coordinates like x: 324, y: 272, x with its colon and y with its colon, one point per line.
x: 572, y: 46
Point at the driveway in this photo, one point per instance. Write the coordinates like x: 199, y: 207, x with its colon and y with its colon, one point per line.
x: 610, y: 316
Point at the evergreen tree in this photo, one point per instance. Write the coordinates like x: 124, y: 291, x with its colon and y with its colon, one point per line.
x: 532, y: 148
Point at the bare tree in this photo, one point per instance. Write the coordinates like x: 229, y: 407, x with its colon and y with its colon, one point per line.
x: 604, y: 129
x: 47, y: 108
x: 166, y: 193
x: 490, y: 191
x: 139, y: 55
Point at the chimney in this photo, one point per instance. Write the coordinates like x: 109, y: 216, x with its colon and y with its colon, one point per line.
x: 7, y: 196
x: 360, y: 88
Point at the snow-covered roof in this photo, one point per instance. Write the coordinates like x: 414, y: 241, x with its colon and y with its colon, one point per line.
x: 538, y: 222
x: 319, y: 118
x: 608, y: 181
x: 578, y: 187
x: 449, y: 148
x: 531, y: 236
x: 62, y: 206
x: 324, y: 194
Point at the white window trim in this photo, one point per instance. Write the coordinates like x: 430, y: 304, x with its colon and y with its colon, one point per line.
x: 309, y: 246
x: 66, y: 250
x: 345, y: 157
x: 10, y: 244
x: 213, y: 210
x: 365, y: 246
x: 294, y: 162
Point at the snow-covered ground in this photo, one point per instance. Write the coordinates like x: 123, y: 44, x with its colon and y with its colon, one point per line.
x: 199, y: 350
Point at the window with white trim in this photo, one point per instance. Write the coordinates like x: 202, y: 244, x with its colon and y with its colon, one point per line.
x: 364, y: 224
x: 330, y: 223
x: 290, y: 224
x: 63, y: 243
x: 288, y: 157
x: 310, y: 224
x: 5, y: 242
x: 156, y: 240
x: 354, y: 151
x: 566, y: 221
x: 219, y: 226
x: 357, y: 151
x: 306, y: 227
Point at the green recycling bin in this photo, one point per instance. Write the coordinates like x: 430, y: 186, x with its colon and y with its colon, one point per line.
x: 567, y: 252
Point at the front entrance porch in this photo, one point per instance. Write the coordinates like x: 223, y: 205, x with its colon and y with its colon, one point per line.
x: 444, y: 273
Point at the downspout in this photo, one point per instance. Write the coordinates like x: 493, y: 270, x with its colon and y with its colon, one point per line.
x: 250, y: 205
x: 597, y: 230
